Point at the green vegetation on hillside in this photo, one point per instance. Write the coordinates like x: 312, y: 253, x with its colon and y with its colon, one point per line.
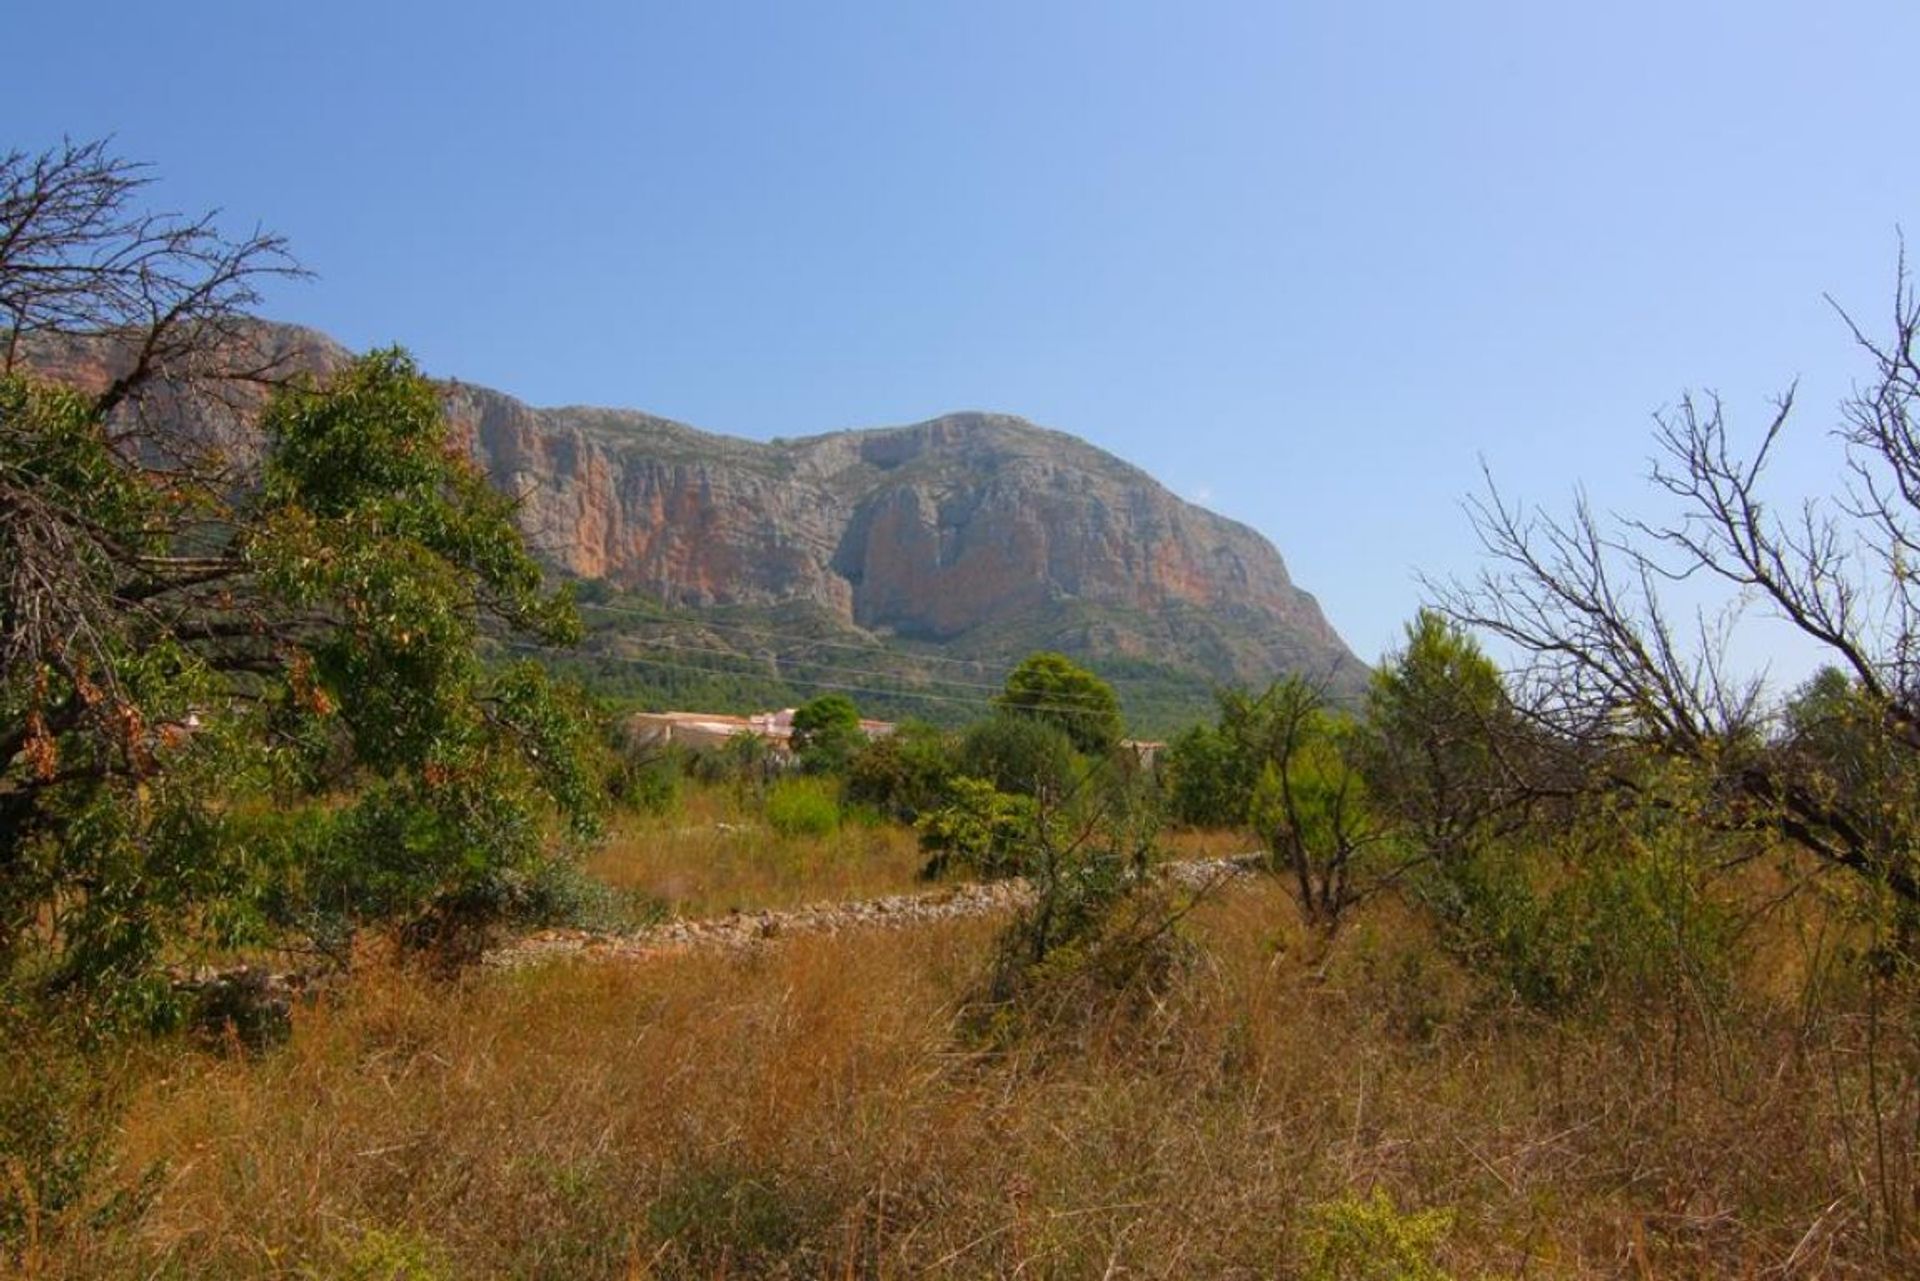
x: 1608, y: 965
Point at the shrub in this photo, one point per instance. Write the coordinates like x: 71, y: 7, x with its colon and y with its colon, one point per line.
x: 1599, y: 916
x: 1372, y: 1240
x: 722, y: 1217
x: 904, y: 774
x: 1101, y: 928
x: 647, y: 781
x: 1019, y: 754
x: 746, y: 761
x: 374, y: 1254
x: 802, y: 807
x: 58, y: 1114
x: 980, y: 830
x: 1209, y: 780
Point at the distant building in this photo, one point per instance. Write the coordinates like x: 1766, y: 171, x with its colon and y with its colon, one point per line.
x: 700, y: 731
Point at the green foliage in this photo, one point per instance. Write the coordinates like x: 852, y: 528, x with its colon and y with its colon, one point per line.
x: 1019, y: 754
x: 803, y: 807
x: 1289, y: 767
x: 1053, y: 689
x: 717, y: 1218
x: 1100, y: 929
x: 1371, y: 1239
x: 1845, y: 760
x: 1309, y: 804
x: 643, y: 776
x: 378, y: 1254
x: 1210, y: 779
x: 903, y: 774
x: 1597, y: 914
x: 980, y: 831
x: 827, y: 734
x: 746, y: 762
x: 313, y: 638
x: 58, y: 1113
x: 647, y: 782
x: 1437, y: 715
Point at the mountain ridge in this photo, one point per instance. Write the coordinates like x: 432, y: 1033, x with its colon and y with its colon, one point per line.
x: 975, y: 532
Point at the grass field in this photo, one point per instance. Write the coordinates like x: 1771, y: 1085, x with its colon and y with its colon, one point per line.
x: 715, y: 854
x: 818, y: 1109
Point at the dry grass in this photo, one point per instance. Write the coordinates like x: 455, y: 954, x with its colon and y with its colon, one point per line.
x: 714, y: 855
x: 812, y: 1111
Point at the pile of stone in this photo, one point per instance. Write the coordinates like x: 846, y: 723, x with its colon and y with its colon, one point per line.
x: 743, y: 931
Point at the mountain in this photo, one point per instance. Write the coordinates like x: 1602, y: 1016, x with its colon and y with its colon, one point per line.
x: 922, y: 558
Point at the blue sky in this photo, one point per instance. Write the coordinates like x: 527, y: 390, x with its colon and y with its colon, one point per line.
x: 1307, y: 263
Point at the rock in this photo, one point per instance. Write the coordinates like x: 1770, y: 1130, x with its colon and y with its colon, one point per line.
x: 738, y: 931
x: 972, y: 527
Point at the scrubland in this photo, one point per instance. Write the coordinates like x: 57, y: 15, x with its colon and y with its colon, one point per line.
x: 825, y: 1107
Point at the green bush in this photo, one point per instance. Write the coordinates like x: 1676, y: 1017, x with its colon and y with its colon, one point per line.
x: 1210, y: 779
x: 57, y: 1121
x: 1372, y: 1240
x: 1101, y: 930
x: 1019, y: 754
x: 980, y: 830
x: 721, y: 1219
x: 803, y: 807
x: 745, y: 761
x: 645, y: 781
x: 905, y: 774
x: 376, y: 1254
x: 1599, y: 916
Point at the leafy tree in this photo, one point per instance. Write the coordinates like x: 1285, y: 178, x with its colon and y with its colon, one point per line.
x: 1054, y: 689
x: 1439, y: 731
x: 202, y: 628
x: 980, y: 830
x: 903, y: 774
x: 1020, y: 754
x: 1210, y: 778
x: 747, y: 761
x: 1310, y: 806
x: 827, y: 733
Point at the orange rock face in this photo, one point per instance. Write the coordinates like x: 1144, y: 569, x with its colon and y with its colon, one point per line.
x: 969, y: 521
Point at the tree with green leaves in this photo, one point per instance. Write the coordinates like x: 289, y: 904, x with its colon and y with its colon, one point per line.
x: 1053, y: 688
x: 241, y: 680
x: 1021, y: 754
x: 827, y: 733
x: 1308, y: 802
x: 904, y: 774
x: 1438, y: 735
x: 1210, y: 778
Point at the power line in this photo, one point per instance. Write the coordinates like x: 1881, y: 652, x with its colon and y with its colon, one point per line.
x: 793, y: 637
x: 679, y: 646
x: 836, y: 686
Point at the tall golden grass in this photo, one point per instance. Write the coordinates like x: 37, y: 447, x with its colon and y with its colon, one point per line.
x: 714, y: 854
x: 813, y: 1110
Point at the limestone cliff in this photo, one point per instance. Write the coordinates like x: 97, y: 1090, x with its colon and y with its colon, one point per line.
x: 933, y: 531
x: 977, y: 531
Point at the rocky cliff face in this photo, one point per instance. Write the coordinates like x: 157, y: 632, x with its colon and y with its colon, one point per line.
x: 932, y: 531
x: 968, y: 528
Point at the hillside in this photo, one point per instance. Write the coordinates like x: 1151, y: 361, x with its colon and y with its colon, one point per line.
x: 913, y: 564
